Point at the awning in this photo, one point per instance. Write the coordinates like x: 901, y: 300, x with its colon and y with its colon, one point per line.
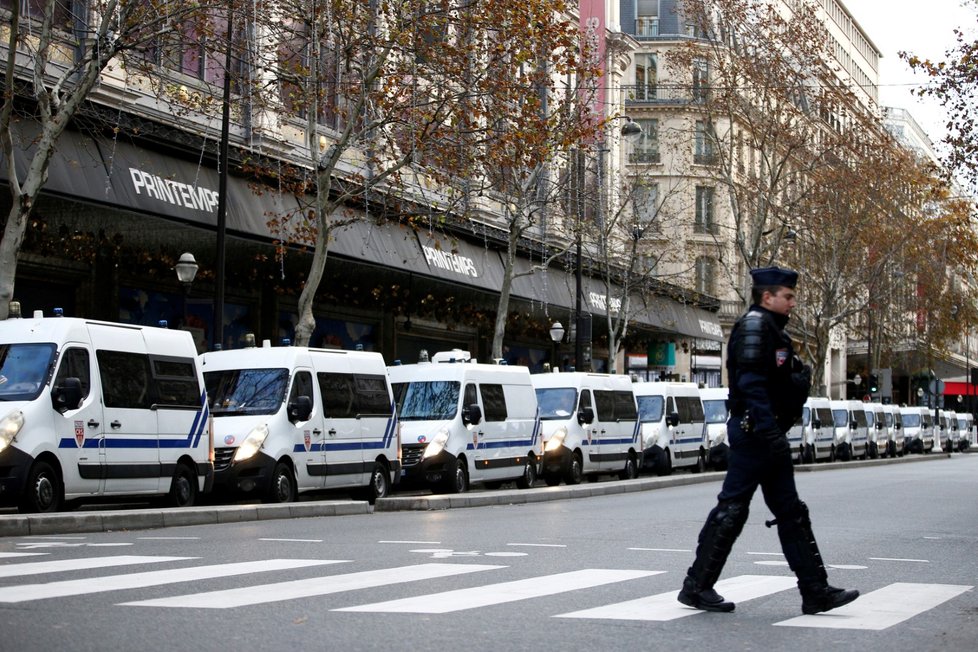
x: 460, y: 261
x: 380, y: 244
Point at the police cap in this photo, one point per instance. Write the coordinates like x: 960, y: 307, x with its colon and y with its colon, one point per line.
x: 774, y: 276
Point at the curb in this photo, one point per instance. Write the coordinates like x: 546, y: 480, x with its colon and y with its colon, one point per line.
x: 146, y: 519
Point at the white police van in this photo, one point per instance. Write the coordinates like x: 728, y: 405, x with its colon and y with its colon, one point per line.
x: 291, y: 419
x: 918, y: 431
x: 462, y: 421
x: 91, y: 409
x: 589, y: 425
x: 851, y: 429
x: 807, y: 436
x: 715, y: 414
x: 964, y: 430
x: 673, y: 426
x: 879, y: 432
x: 892, y: 420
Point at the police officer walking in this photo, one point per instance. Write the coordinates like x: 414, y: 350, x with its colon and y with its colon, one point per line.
x: 768, y: 388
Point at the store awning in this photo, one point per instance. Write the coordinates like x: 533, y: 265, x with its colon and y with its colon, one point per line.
x: 459, y: 261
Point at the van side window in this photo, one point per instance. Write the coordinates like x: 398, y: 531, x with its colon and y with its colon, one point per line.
x: 301, y: 386
x: 75, y: 363
x: 690, y: 409
x: 470, y: 396
x: 625, y: 406
x: 176, y: 381
x: 338, y: 397
x: 585, y: 401
x: 371, y: 394
x: 493, y: 402
x: 604, y: 405
x: 125, y: 379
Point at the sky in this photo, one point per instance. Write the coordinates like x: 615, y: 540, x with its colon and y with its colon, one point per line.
x: 922, y: 27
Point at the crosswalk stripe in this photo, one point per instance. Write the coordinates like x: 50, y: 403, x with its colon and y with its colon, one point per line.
x: 664, y: 606
x: 483, y: 596
x: 26, y: 592
x: 13, y: 555
x: 314, y: 586
x: 882, y: 608
x: 61, y: 565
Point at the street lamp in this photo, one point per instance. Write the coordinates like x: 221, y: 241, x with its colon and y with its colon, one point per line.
x: 556, y: 335
x: 186, y: 269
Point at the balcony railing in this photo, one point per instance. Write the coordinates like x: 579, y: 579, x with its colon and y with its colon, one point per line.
x: 648, y: 156
x: 705, y: 158
x: 663, y: 94
x: 646, y: 26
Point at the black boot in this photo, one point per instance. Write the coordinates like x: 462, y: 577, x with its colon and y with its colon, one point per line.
x: 817, y: 599
x: 722, y: 528
x: 801, y: 551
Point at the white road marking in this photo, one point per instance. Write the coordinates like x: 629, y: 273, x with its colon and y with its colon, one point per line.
x: 11, y: 555
x: 662, y: 549
x: 168, y: 538
x: 882, y: 608
x: 62, y: 565
x: 26, y: 592
x: 846, y: 566
x: 539, y: 545
x: 295, y: 540
x: 919, y: 561
x: 771, y: 554
x: 506, y: 554
x: 416, y: 543
x: 484, y: 596
x: 771, y: 562
x: 664, y: 606
x: 316, y: 586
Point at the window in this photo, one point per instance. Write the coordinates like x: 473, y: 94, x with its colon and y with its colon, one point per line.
x: 246, y: 391
x: 690, y: 409
x: 703, y: 222
x: 646, y: 76
x: 646, y: 148
x: 427, y: 401
x: 647, y: 18
x: 63, y: 18
x: 625, y: 409
x: 372, y: 396
x: 493, y: 402
x: 176, y: 382
x: 339, y: 400
x: 705, y: 141
x: 604, y: 404
x: 125, y: 379
x: 301, y: 386
x: 706, y: 276
x: 701, y: 80
x: 650, y: 408
x: 646, y: 204
x: 585, y: 401
x: 75, y: 363
x: 297, y: 86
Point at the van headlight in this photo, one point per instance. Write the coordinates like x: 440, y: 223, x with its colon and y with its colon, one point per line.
x: 720, y: 438
x: 437, y: 444
x: 556, y: 440
x: 251, y: 444
x: 10, y: 425
x: 653, y: 438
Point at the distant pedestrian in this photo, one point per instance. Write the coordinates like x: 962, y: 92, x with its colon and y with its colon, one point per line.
x: 768, y: 388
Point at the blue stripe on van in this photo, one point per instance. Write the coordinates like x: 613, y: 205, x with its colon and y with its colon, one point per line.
x: 637, y: 432
x: 151, y: 440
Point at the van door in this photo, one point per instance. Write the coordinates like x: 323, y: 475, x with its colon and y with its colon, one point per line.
x: 590, y: 430
x: 495, y: 457
x: 78, y: 428
x: 374, y: 415
x: 178, y: 402
x: 343, y: 454
x: 131, y: 448
x: 306, y: 435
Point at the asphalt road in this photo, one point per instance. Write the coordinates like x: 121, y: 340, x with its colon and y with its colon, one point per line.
x: 594, y: 573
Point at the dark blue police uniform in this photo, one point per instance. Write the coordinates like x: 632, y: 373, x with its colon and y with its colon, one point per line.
x: 768, y: 388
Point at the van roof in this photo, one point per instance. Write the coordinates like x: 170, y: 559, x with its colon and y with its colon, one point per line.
x: 479, y: 372
x: 280, y: 357
x: 66, y: 329
x: 664, y: 388
x: 582, y: 379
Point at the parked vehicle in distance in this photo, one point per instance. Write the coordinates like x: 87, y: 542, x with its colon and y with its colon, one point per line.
x: 879, y: 432
x: 892, y: 420
x: 463, y: 422
x: 292, y: 419
x: 94, y: 409
x: 917, y: 429
x: 589, y: 424
x: 805, y: 432
x: 964, y: 430
x: 820, y: 444
x: 851, y: 429
x: 673, y: 426
x: 715, y: 414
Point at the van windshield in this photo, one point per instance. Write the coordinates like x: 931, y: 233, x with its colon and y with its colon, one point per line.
x: 556, y: 402
x: 24, y: 370
x: 246, y: 391
x: 911, y: 420
x: 650, y: 408
x: 840, y: 418
x: 715, y: 410
x: 433, y: 400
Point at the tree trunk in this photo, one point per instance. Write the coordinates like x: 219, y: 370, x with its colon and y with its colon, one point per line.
x: 13, y: 237
x: 502, y: 307
x: 307, y: 322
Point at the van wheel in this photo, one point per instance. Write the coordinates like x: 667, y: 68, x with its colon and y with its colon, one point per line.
x: 457, y: 482
x: 630, y: 472
x: 529, y: 477
x: 665, y: 464
x: 832, y: 454
x: 700, y: 463
x: 183, y: 488
x: 874, y: 450
x: 575, y: 474
x: 282, y: 487
x: 380, y: 483
x: 552, y: 479
x: 807, y: 454
x: 43, y: 492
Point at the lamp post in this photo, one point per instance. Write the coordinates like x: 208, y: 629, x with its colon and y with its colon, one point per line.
x: 186, y: 269
x: 556, y: 335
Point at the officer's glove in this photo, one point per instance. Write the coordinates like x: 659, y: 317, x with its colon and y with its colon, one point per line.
x: 779, y: 446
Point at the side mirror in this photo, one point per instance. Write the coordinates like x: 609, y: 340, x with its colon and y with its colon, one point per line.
x: 67, y: 395
x: 300, y: 409
x: 585, y: 416
x: 853, y: 425
x: 471, y: 414
x: 672, y: 419
x: 816, y: 424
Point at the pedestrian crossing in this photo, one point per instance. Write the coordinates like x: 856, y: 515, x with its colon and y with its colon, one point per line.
x: 491, y: 585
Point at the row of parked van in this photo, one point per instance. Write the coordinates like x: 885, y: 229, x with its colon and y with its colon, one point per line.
x: 97, y: 409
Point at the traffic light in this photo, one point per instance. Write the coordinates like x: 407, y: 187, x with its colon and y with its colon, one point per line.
x: 874, y: 384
